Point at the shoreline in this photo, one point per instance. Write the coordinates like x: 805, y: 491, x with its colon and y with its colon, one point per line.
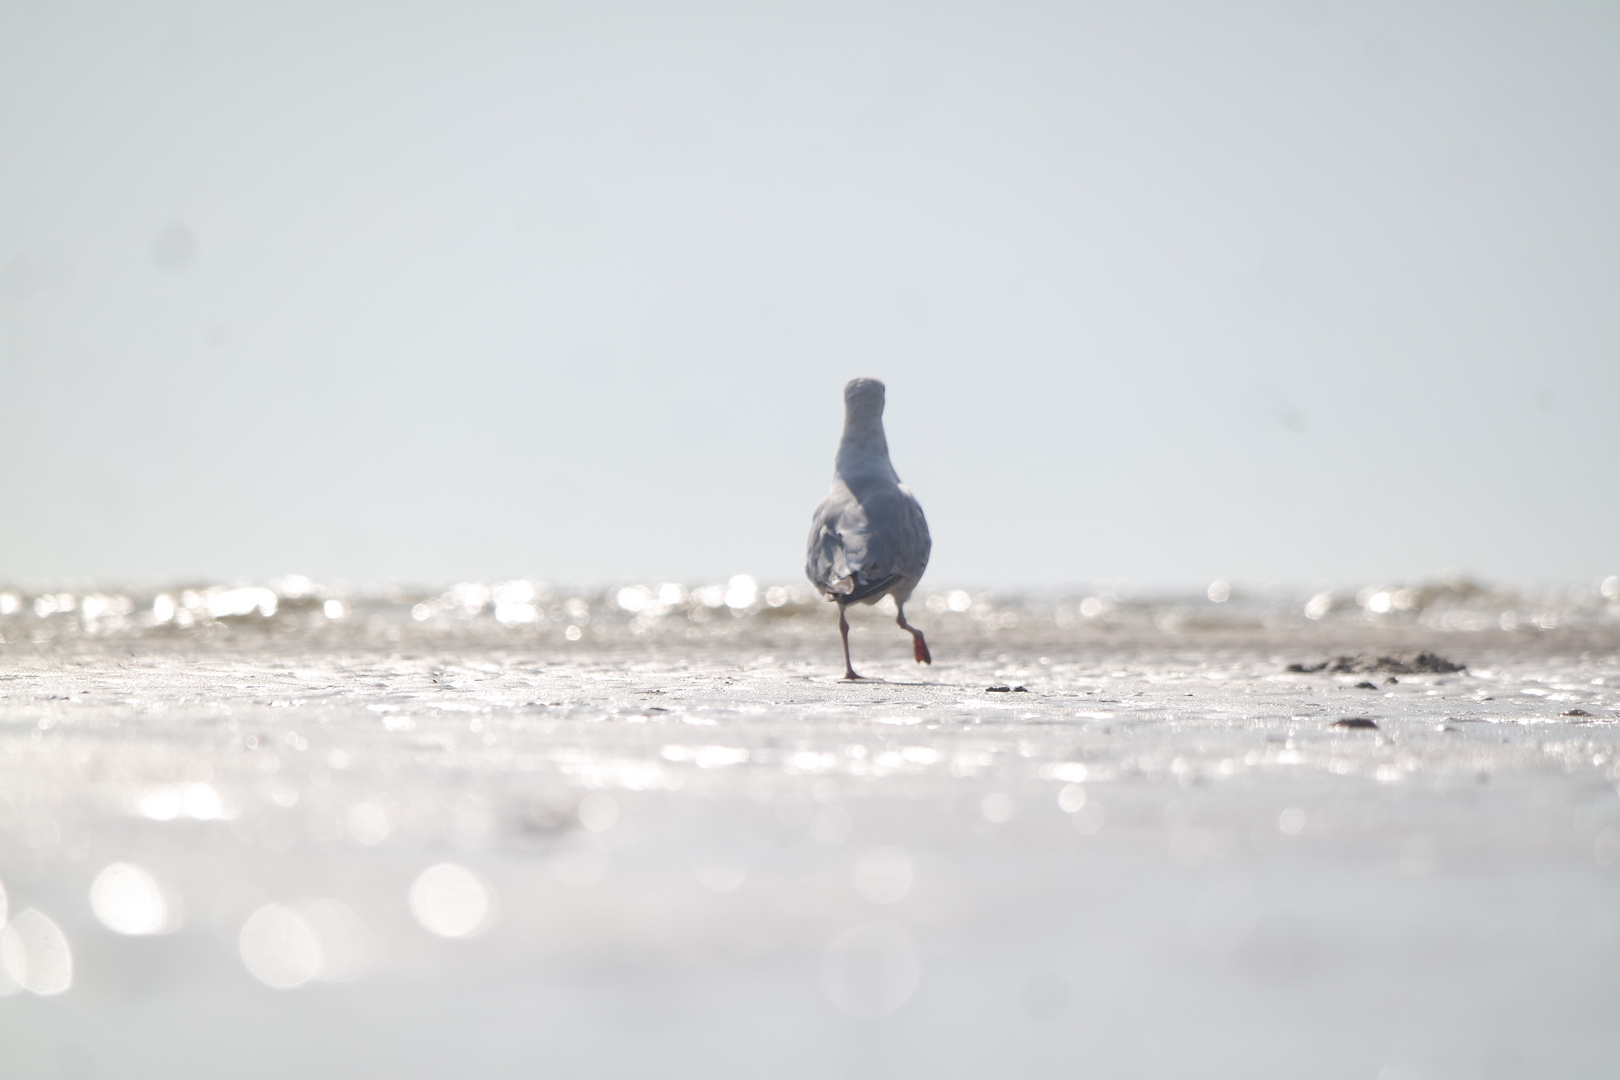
x: 697, y: 855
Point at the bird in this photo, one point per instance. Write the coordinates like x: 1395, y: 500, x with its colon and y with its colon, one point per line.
x: 868, y: 538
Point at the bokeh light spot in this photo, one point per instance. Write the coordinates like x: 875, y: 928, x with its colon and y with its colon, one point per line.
x: 35, y: 954
x: 998, y: 808
x: 128, y: 900
x: 450, y: 900
x: 720, y: 874
x: 598, y: 811
x: 870, y: 971
x: 279, y: 948
x: 344, y: 939
x: 884, y: 875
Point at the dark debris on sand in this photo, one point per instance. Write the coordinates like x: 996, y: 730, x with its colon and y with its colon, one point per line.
x: 1424, y: 663
x: 1359, y: 722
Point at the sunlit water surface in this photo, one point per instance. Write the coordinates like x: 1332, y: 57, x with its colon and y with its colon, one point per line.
x: 509, y: 830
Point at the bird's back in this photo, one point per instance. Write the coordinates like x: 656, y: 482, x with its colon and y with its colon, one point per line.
x: 868, y: 537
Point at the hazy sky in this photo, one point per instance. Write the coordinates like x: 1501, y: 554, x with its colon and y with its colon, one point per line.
x: 428, y: 291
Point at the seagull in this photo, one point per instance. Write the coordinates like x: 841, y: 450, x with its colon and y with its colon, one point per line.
x: 868, y: 538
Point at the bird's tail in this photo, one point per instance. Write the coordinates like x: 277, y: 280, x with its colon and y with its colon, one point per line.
x: 857, y: 593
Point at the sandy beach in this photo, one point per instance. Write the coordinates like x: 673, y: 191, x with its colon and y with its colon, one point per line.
x: 424, y: 848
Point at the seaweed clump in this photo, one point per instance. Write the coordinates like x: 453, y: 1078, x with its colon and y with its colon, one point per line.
x: 1424, y: 663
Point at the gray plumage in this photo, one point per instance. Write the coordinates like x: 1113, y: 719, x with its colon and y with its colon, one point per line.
x: 868, y: 538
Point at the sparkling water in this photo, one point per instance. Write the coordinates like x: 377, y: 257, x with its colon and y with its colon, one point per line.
x: 509, y: 829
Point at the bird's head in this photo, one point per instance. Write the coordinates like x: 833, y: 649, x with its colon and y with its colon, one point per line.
x: 863, y: 397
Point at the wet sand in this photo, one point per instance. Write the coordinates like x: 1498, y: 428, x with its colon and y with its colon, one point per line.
x: 1154, y: 853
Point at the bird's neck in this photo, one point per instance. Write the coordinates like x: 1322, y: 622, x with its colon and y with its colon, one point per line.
x: 864, y: 451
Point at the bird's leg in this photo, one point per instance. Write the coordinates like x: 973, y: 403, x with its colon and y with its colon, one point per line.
x: 919, y: 647
x: 843, y: 630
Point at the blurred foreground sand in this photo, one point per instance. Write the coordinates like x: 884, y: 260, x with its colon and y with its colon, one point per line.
x: 492, y: 856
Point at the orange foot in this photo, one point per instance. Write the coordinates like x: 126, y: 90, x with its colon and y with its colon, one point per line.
x: 919, y: 649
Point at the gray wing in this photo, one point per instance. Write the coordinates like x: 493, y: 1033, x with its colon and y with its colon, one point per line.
x: 865, y: 542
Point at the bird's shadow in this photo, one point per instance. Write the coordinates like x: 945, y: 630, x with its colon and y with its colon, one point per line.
x: 868, y: 680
